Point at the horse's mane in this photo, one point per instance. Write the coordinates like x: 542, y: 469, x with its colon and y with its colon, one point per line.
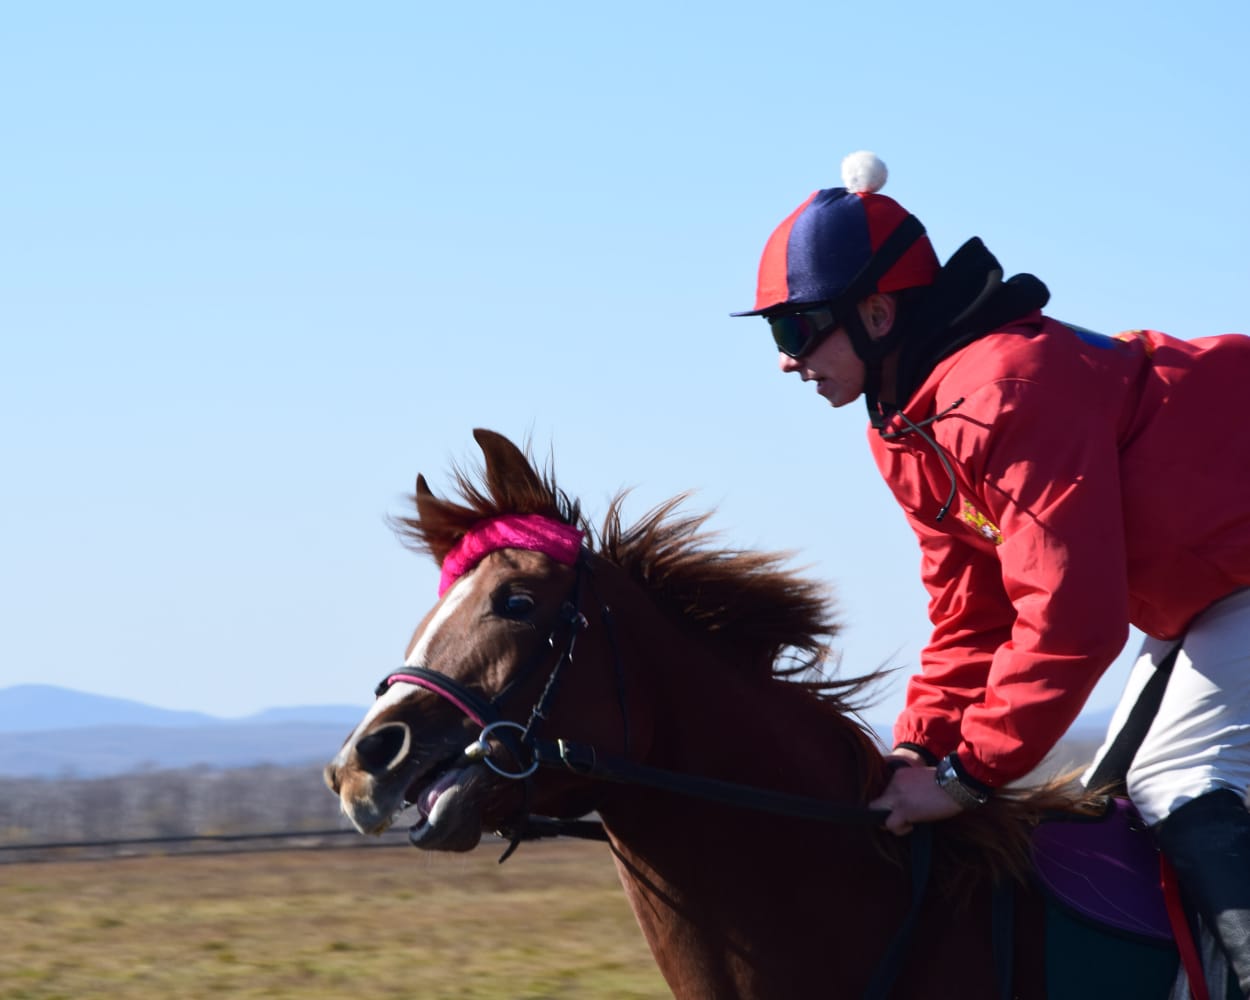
x: 766, y: 619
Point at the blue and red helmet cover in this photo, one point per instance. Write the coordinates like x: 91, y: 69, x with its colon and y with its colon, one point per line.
x: 825, y: 242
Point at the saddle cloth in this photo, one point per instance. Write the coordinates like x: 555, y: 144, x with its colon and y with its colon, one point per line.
x: 1105, y: 869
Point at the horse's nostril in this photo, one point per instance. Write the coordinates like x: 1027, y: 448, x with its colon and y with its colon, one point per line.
x: 380, y: 749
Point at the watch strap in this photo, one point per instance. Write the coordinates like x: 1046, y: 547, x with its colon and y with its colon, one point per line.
x: 959, y: 785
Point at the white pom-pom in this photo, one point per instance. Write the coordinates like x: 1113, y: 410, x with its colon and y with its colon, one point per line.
x: 863, y: 171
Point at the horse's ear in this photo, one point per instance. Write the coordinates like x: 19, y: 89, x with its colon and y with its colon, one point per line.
x: 497, y: 449
x: 429, y: 530
x: 424, y: 497
x: 508, y: 471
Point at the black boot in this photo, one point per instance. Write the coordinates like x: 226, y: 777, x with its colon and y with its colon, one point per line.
x: 1208, y: 842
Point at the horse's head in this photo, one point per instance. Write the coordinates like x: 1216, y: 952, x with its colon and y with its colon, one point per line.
x: 497, y: 647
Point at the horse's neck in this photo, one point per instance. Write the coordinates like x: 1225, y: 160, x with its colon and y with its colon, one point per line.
x: 757, y: 731
x: 734, y: 901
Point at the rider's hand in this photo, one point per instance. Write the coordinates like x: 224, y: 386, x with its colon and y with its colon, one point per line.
x: 914, y: 796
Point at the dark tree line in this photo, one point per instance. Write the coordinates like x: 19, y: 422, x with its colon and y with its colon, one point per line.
x: 152, y: 803
x: 203, y: 801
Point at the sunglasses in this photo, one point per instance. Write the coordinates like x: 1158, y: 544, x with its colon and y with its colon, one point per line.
x: 797, y: 334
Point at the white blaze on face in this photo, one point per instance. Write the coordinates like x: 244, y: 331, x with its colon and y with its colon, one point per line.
x: 400, y: 690
x: 452, y: 599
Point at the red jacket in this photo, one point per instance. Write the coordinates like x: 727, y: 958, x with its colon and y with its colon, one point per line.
x: 1097, y: 482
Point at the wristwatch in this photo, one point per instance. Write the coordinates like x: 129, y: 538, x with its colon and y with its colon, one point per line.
x: 955, y: 782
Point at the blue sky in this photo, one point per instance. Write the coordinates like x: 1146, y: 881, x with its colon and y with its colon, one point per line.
x: 260, y: 264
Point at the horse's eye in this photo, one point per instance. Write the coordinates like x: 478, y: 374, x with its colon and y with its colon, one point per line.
x: 514, y: 605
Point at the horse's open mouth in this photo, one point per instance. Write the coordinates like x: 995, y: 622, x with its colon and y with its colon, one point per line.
x: 445, y: 817
x: 430, y: 787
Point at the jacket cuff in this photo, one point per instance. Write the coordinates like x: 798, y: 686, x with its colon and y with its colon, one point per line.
x: 975, y: 773
x: 929, y: 758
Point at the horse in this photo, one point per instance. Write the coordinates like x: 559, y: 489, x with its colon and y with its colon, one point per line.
x: 687, y: 694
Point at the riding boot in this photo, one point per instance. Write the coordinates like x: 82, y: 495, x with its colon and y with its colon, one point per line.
x: 1207, y: 840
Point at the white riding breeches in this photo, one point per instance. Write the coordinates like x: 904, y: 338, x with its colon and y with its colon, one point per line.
x: 1199, y: 740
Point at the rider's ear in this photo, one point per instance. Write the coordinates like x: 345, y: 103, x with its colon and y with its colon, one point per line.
x: 878, y: 312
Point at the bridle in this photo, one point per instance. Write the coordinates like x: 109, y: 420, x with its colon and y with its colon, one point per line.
x: 529, y: 753
x: 519, y: 740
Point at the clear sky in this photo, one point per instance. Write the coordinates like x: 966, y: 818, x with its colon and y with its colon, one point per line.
x: 261, y: 263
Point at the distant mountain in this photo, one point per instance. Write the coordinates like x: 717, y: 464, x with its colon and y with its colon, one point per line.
x: 48, y: 731
x: 27, y: 708
x: 100, y: 751
x: 340, y: 715
x: 34, y: 707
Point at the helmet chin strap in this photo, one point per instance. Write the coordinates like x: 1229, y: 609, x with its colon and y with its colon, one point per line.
x: 872, y: 351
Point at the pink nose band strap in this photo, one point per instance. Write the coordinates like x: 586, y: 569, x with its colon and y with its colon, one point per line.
x: 512, y: 531
x: 437, y: 689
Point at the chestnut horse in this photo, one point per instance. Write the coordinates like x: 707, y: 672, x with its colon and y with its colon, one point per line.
x: 655, y: 651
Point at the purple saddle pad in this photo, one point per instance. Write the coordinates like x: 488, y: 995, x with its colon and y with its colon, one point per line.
x: 1106, y: 869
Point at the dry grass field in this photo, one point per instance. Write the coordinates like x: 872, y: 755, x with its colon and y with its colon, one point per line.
x: 390, y: 922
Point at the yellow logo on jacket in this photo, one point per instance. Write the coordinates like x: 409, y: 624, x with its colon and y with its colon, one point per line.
x: 981, y: 524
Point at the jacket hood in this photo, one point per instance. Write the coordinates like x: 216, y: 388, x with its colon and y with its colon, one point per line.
x: 968, y: 300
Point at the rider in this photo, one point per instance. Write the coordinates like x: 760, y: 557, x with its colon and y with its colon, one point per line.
x: 1063, y: 485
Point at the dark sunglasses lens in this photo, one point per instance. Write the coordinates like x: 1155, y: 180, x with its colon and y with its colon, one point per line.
x: 791, y: 333
x: 797, y: 333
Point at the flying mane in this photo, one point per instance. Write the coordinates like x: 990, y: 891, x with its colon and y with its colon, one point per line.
x: 766, y: 618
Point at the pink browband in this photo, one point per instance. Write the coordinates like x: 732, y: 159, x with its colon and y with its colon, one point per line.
x: 512, y: 531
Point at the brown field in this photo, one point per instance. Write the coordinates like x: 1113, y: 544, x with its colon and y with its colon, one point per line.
x: 390, y: 922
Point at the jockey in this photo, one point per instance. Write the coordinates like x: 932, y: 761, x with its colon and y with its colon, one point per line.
x: 1063, y: 485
